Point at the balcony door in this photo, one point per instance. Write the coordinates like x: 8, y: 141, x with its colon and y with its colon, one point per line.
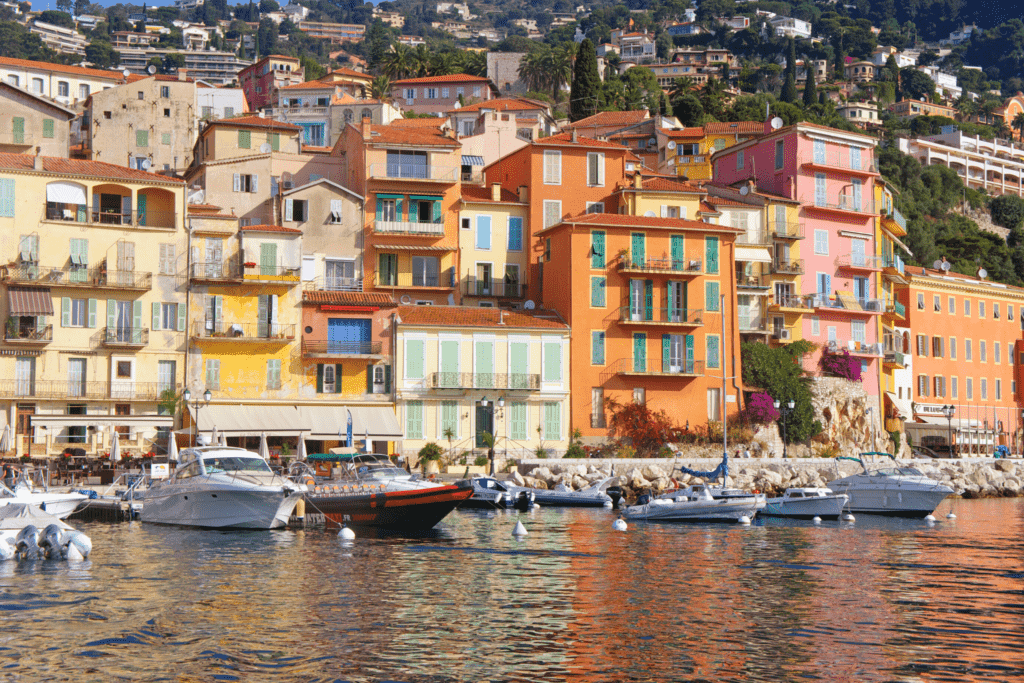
x: 636, y: 299
x: 425, y: 271
x: 125, y: 262
x: 483, y: 279
x: 346, y: 335
x: 857, y: 253
x: 484, y: 424
x: 76, y: 376
x: 122, y: 331
x: 340, y: 274
x: 676, y: 302
x: 214, y: 256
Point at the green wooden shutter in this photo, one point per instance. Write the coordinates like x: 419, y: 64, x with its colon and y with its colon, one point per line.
x: 142, y: 138
x: 137, y: 321
x: 552, y: 362
x: 597, y: 292
x: 414, y: 358
x: 484, y: 364
x: 678, y: 253
x: 275, y: 142
x: 111, y: 314
x: 369, y: 378
x: 597, y: 245
x: 262, y: 311
x: 387, y: 379
x: 520, y: 365
x: 92, y: 313
x: 6, y: 197
x: 212, y: 374
x: 597, y: 348
x: 182, y: 317
x: 141, y: 206
x: 639, y: 352
x: 518, y: 429
x: 437, y: 210
x: 319, y: 378
x: 711, y: 254
x: 244, y: 139
x: 449, y: 363
x: 268, y: 258
x: 712, y: 341
x: 18, y: 130
x: 380, y: 210
x: 552, y: 421
x: 47, y: 128
x: 648, y: 299
x: 637, y: 245
x: 414, y: 420
x: 711, y: 296
x: 79, y: 259
x: 218, y: 310
x: 689, y: 353
x: 65, y: 312
x: 156, y: 317
x: 666, y: 352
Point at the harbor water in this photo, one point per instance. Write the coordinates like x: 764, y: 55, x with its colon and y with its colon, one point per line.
x: 877, y: 600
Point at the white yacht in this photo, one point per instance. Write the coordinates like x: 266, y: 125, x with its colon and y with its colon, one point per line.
x: 60, y: 505
x: 220, y: 487
x: 895, y: 491
x: 807, y: 503
x: 700, y: 507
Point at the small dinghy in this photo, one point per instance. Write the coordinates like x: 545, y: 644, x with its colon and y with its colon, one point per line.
x: 28, y: 533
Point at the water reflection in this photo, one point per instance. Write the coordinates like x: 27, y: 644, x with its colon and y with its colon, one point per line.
x: 878, y: 600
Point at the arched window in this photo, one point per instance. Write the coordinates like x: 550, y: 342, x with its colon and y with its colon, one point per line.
x: 367, y: 114
x: 348, y: 116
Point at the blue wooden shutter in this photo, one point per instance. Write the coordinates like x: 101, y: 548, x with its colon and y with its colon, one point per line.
x: 711, y: 254
x: 689, y: 353
x: 666, y: 350
x: 515, y: 233
x: 597, y: 348
x: 648, y: 299
x: 712, y: 341
x: 639, y: 352
x: 597, y: 244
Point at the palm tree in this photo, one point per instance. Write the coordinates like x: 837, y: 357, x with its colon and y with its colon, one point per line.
x: 988, y: 107
x: 443, y: 64
x: 473, y: 63
x: 1018, y: 124
x: 711, y: 96
x: 396, y: 63
x: 559, y: 65
x: 965, y: 107
x: 419, y: 61
x: 681, y: 86
x: 380, y: 89
x: 532, y: 70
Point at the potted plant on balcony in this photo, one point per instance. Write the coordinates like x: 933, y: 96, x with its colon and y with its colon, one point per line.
x: 12, y: 327
x: 249, y: 264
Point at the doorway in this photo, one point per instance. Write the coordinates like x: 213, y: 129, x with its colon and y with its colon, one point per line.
x: 484, y: 423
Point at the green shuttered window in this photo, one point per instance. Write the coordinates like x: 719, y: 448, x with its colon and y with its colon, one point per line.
x: 518, y: 428
x: 597, y: 292
x: 414, y: 359
x: 552, y: 421
x: 414, y: 420
x: 597, y: 347
x: 597, y: 249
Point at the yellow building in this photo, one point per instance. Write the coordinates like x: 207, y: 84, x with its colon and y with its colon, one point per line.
x: 687, y: 152
x: 492, y: 248
x: 660, y: 196
x: 468, y: 371
x: 891, y: 226
x: 95, y: 317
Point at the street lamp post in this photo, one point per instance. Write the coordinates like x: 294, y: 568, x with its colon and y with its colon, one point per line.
x: 186, y: 396
x: 948, y: 412
x: 785, y: 410
x: 494, y: 439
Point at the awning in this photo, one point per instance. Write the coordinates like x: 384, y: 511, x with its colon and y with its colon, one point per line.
x: 326, y: 422
x: 30, y: 301
x: 755, y: 254
x: 250, y: 420
x: 65, y: 193
x: 411, y: 247
x: 137, y: 421
x: 902, y: 405
x: 896, y: 240
x: 470, y: 160
x: 955, y: 423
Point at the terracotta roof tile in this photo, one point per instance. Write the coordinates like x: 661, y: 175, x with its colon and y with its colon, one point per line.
x: 743, y: 127
x: 423, y: 122
x: 81, y: 167
x: 348, y: 298
x: 724, y: 201
x: 254, y: 122
x: 472, y: 193
x: 450, y: 78
x: 268, y: 228
x: 345, y: 71
x: 311, y: 85
x: 695, y: 132
x: 611, y: 118
x: 203, y: 207
x: 671, y: 185
x: 565, y: 139
x: 502, y: 104
x: 467, y: 316
x: 620, y: 221
x: 412, y: 135
x: 316, y: 149
x: 707, y: 208
x: 61, y: 68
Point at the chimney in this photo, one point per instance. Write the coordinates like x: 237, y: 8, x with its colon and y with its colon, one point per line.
x: 182, y: 74
x: 524, y: 194
x: 496, y: 192
x: 37, y: 162
x: 365, y: 124
x: 575, y: 136
x: 638, y: 180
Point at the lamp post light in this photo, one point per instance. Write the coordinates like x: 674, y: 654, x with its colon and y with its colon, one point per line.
x: 948, y: 411
x: 186, y: 396
x: 785, y: 410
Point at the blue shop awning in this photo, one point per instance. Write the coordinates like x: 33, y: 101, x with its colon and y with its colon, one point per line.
x: 469, y: 160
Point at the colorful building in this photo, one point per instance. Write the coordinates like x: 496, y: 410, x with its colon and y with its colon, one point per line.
x: 492, y: 250
x: 440, y: 94
x: 687, y: 152
x: 261, y: 81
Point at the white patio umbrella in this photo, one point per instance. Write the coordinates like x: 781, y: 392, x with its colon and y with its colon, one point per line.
x: 366, y: 440
x: 172, y: 447
x: 223, y: 439
x: 301, y: 455
x: 5, y: 439
x: 214, y: 436
x: 264, y: 450
x: 115, y: 446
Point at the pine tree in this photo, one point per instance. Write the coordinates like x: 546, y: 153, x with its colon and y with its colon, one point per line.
x: 791, y: 60
x: 789, y: 90
x: 810, y: 87
x: 585, y: 83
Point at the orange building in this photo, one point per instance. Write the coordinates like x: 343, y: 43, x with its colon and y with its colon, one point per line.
x: 411, y: 175
x: 645, y: 314
x: 964, y: 332
x: 564, y: 175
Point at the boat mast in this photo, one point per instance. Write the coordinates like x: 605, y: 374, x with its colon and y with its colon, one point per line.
x: 725, y: 424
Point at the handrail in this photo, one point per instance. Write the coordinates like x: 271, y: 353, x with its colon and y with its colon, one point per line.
x: 486, y: 380
x: 681, y: 316
x: 79, y: 276
x: 242, y: 331
x: 340, y: 348
x: 664, y: 264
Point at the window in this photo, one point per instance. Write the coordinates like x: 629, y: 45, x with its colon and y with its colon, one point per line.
x: 999, y: 389
x: 936, y: 304
x: 552, y: 167
x: 74, y: 312
x: 83, y: 92
x: 597, y: 420
x: 552, y: 212
x: 63, y: 89
x: 970, y: 389
x: 981, y: 309
x: 431, y: 93
x: 296, y: 210
x: 165, y: 91
x: 142, y: 138
x: 483, y: 233
x: 995, y: 311
x: 47, y: 128
x: 597, y: 242
x: 595, y: 207
x: 937, y: 347
x: 821, y: 242
x: 997, y: 352
x: 739, y: 160
x: 597, y: 292
x: 165, y: 375
x: 780, y: 154
x: 165, y: 138
x: 820, y: 189
x: 552, y: 361
x: 858, y: 331
x: 460, y: 91
x: 711, y: 296
x: 213, y: 374
x: 519, y: 427
x: 425, y: 271
x: 711, y: 255
x: 952, y: 348
x: 815, y: 326
x: 922, y: 345
x: 167, y: 113
x: 968, y: 351
x: 597, y: 347
x: 922, y: 385
x: 274, y: 373
x: 712, y: 350
x: 982, y: 351
x: 984, y: 389
x: 552, y: 422
x: 37, y: 86
x: 444, y: 93
x: 414, y: 420
x: 243, y: 182
x: 953, y: 388
x: 595, y: 169
x: 244, y: 139
x: 855, y: 158
x: 639, y: 395
x: 229, y: 112
x: 819, y: 151
x: 13, y: 80
x: 1009, y: 313
x: 410, y: 93
x: 6, y: 197
x: 967, y: 307
x: 939, y: 386
x: 467, y: 223
x: 165, y: 316
x: 476, y: 91
x: 547, y: 249
x: 328, y: 378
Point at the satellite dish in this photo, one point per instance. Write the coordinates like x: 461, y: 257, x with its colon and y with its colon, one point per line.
x: 946, y: 266
x: 671, y: 144
x: 146, y: 163
x: 405, y: 299
x: 151, y: 69
x: 126, y: 73
x: 456, y: 105
x: 744, y: 190
x: 265, y: 148
x: 937, y: 265
x: 652, y: 142
x: 776, y: 123
x: 982, y: 273
x: 529, y: 305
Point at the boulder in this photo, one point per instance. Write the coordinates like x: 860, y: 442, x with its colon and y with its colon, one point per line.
x: 1005, y: 466
x: 517, y: 478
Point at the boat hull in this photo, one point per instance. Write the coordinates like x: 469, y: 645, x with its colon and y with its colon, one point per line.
x: 218, y: 508
x: 60, y: 506
x: 565, y: 499
x: 719, y: 510
x: 410, y: 510
x: 893, y: 501
x: 826, y: 507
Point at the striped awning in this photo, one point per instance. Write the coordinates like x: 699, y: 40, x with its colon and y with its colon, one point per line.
x: 30, y: 301
x: 470, y: 160
x: 411, y: 247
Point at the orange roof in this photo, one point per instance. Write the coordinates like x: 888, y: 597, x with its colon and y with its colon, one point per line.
x: 469, y: 316
x: 670, y: 185
x: 615, y: 220
x: 203, y: 207
x: 723, y: 201
x: 254, y: 122
x: 707, y: 208
x: 268, y: 228
x: 564, y: 139
x: 450, y: 78
x: 316, y: 149
x: 612, y: 118
x: 719, y: 127
x: 412, y: 135
x: 695, y: 132
x: 310, y: 85
x: 502, y: 104
x: 420, y: 122
x: 61, y: 68
x: 474, y: 193
x: 349, y: 298
x: 135, y: 78
x: 349, y: 72
x: 81, y: 167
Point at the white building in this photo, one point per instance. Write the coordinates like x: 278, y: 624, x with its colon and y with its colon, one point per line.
x: 903, y: 59
x: 788, y: 27
x: 65, y: 84
x: 187, y: 4
x: 986, y: 165
x: 59, y: 38
x: 219, y: 103
x: 945, y: 83
x: 461, y: 8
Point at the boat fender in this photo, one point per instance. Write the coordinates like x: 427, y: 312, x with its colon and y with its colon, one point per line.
x: 929, y: 518
x: 744, y: 520
x: 816, y: 520
x: 81, y: 543
x: 346, y: 534
x: 950, y: 516
x: 619, y: 525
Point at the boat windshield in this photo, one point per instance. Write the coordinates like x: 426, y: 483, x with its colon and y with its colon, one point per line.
x: 911, y: 472
x: 380, y: 471
x: 234, y: 463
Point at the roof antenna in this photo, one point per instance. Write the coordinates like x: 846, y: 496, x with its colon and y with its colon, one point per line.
x: 501, y: 316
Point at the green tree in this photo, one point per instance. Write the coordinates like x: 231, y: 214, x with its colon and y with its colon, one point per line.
x: 100, y: 54
x: 267, y: 6
x: 789, y: 90
x: 58, y: 18
x: 314, y: 69
x: 1018, y: 124
x: 778, y: 370
x: 810, y: 87
x: 1007, y: 210
x: 586, y: 83
x: 688, y: 109
x: 916, y: 85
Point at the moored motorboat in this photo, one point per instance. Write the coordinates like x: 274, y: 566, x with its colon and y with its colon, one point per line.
x: 563, y: 496
x: 60, y: 505
x: 491, y: 494
x: 374, y: 470
x: 360, y: 505
x: 701, y: 507
x: 28, y: 533
x: 719, y: 493
x: 221, y: 487
x: 893, y: 491
x: 807, y: 503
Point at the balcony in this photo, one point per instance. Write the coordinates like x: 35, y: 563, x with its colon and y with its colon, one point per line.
x: 130, y: 219
x: 443, y: 280
x: 833, y: 160
x: 649, y: 368
x: 895, y: 222
x: 79, y: 277
x: 243, y: 332
x: 844, y: 203
x: 846, y: 303
x: 216, y: 272
x: 759, y: 238
x: 753, y: 281
x: 683, y: 317
x: 859, y: 262
x: 333, y: 349
x: 124, y: 337
x: 789, y: 230
x: 489, y: 380
x: 855, y: 348
x: 688, y: 160
x: 598, y: 422
x: 756, y: 326
x: 894, y: 360
x: 334, y: 283
x: 279, y: 274
x: 660, y: 266
x: 409, y: 228
x: 894, y: 311
x: 28, y: 336
x: 790, y: 302
x: 60, y: 389
x: 493, y: 288
x: 787, y: 266
x: 438, y: 174
x: 894, y: 268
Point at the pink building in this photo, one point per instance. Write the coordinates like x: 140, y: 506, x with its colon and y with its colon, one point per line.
x: 832, y: 174
x: 440, y: 94
x: 261, y: 81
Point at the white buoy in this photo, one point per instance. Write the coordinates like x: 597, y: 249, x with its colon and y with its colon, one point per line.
x: 536, y: 505
x: 929, y: 518
x: 608, y: 504
x: 347, y: 534
x: 848, y: 517
x: 743, y: 520
x: 7, y: 551
x: 520, y: 530
x: 950, y: 516
x: 816, y: 519
x: 619, y: 525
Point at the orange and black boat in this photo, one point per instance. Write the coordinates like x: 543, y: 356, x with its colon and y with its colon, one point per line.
x: 416, y: 509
